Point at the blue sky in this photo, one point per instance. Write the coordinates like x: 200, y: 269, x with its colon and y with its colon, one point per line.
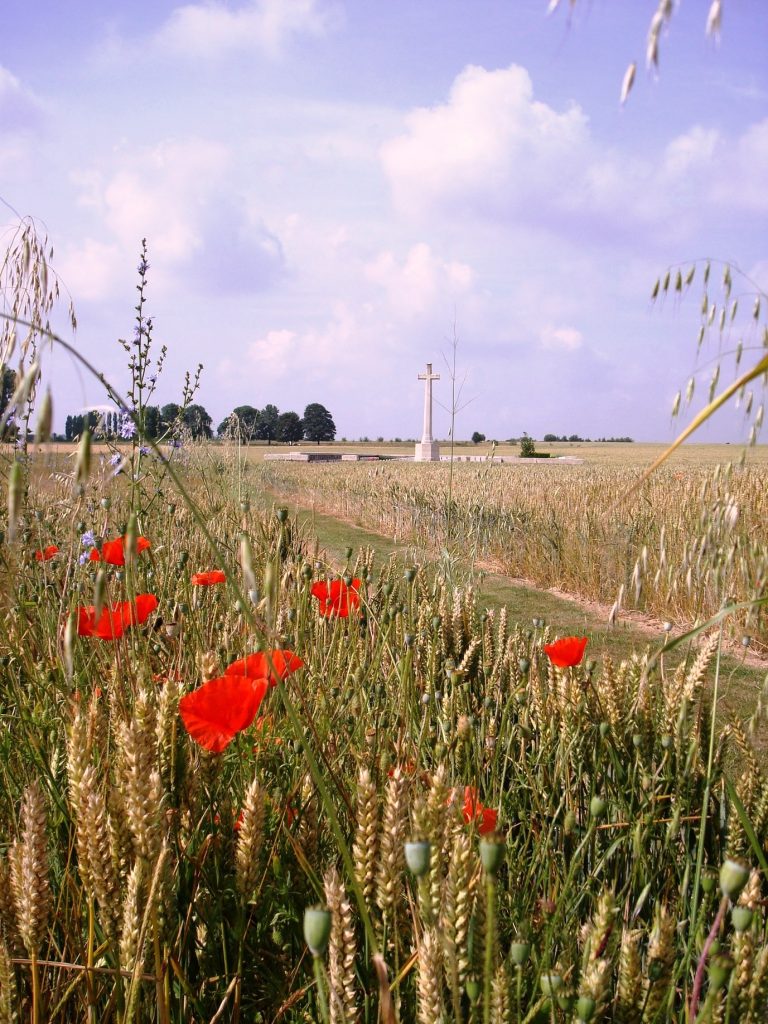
x: 332, y: 189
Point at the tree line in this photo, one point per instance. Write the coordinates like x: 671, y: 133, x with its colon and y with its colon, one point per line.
x: 244, y: 424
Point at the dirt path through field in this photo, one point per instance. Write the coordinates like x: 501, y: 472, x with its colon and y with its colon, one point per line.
x: 563, y: 610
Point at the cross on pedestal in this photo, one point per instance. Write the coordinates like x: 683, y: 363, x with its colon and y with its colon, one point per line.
x: 428, y: 450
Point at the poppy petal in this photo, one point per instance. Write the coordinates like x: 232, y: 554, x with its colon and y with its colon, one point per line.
x: 257, y: 666
x: 566, y: 652
x: 219, y: 709
x: 208, y: 579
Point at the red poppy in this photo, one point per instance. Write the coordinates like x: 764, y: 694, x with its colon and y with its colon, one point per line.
x: 208, y: 579
x: 115, y: 618
x: 113, y: 551
x: 219, y: 709
x: 567, y: 652
x: 473, y: 810
x: 47, y: 553
x: 336, y: 597
x: 257, y: 666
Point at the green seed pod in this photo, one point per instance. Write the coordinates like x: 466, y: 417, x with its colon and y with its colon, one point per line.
x: 733, y: 877
x: 550, y: 983
x: 585, y: 1008
x: 106, y: 503
x: 523, y: 664
x: 44, y: 419
x: 605, y: 728
x: 720, y: 968
x: 131, y: 536
x: 282, y: 514
x: 741, y: 918
x: 83, y: 462
x: 569, y: 823
x: 99, y: 590
x: 348, y: 553
x: 598, y: 805
x: 246, y: 562
x: 708, y: 879
x: 474, y: 988
x: 316, y: 929
x: 410, y: 575
x: 491, y: 853
x: 418, y: 856
x: 519, y: 951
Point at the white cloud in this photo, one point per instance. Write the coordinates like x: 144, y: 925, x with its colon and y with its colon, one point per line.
x: 177, y: 195
x: 20, y: 110
x: 493, y: 152
x: 566, y: 339
x: 214, y: 29
x: 421, y: 282
x: 490, y: 147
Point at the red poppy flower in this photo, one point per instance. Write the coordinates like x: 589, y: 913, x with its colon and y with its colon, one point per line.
x: 115, y: 618
x: 219, y: 709
x: 47, y: 553
x: 336, y: 597
x: 567, y: 652
x: 208, y: 579
x: 257, y: 666
x: 113, y: 551
x: 473, y: 810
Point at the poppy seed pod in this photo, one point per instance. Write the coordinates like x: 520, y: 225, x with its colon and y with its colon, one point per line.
x: 520, y: 950
x: 598, y: 805
x: 317, y: 929
x: 282, y: 515
x: 733, y: 877
x: 585, y: 1008
x: 720, y: 968
x: 491, y: 853
x: 418, y: 855
x: 708, y: 879
x: 741, y: 918
x: 550, y: 983
x: 473, y: 988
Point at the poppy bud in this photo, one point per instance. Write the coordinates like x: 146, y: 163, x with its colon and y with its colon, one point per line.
x: 410, y: 575
x: 282, y: 514
x: 317, y: 929
x: 418, y: 856
x: 523, y: 664
x: 733, y: 877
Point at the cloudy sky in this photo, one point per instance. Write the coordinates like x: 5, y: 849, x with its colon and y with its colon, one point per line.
x: 334, y: 190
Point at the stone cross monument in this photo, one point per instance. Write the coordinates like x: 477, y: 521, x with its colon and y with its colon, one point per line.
x: 428, y: 450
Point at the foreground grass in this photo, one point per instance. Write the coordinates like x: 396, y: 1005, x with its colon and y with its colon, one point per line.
x: 145, y: 878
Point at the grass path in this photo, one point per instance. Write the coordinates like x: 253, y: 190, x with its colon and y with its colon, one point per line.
x: 741, y: 680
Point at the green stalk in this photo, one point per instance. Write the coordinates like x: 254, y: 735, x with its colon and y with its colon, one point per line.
x: 320, y: 982
x: 490, y: 943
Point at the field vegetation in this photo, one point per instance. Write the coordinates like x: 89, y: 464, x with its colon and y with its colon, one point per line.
x: 499, y: 830
x: 690, y: 539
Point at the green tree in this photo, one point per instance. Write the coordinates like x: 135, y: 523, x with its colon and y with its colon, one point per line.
x: 268, y: 421
x: 242, y: 424
x: 289, y: 427
x: 527, y: 447
x: 169, y: 414
x: 152, y: 422
x: 477, y: 437
x: 197, y: 421
x: 318, y: 423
